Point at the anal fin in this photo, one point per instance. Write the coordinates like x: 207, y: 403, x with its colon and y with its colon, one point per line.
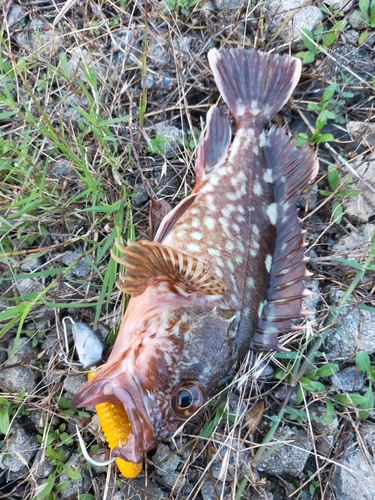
x: 292, y: 169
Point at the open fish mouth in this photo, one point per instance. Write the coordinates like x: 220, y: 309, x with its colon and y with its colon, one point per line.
x: 141, y: 438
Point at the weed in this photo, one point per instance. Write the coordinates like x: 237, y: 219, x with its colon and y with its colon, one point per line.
x: 181, y: 7
x: 318, y: 36
x: 329, y: 108
x: 158, y: 144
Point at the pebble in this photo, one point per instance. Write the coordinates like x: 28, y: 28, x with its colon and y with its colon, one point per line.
x: 73, y: 383
x: 74, y: 487
x: 81, y: 269
x: 328, y: 430
x: 163, y: 451
x: 358, y: 481
x: 348, y: 380
x: 361, y: 208
x: 19, y: 444
x: 89, y: 346
x: 15, y: 14
x: 289, y: 459
x: 137, y: 489
x: 37, y: 37
x: 340, y: 5
x: 355, y: 19
x: 31, y: 264
x: 28, y: 285
x: 19, y: 378
x: 301, y: 17
x: 174, y: 134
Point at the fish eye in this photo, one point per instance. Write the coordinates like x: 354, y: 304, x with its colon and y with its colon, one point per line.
x: 186, y: 399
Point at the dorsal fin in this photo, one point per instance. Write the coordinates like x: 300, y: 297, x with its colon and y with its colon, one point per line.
x: 291, y: 169
x: 159, y: 209
x: 172, y: 217
x: 213, y: 147
x: 145, y: 261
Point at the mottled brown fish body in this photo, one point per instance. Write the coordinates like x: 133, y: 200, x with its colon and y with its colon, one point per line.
x: 225, y: 269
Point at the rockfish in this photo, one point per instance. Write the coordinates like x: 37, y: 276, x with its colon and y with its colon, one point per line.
x: 224, y: 272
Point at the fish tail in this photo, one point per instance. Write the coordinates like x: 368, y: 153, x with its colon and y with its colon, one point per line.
x: 254, y: 83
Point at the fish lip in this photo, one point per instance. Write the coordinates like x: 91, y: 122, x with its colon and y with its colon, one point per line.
x: 142, y: 436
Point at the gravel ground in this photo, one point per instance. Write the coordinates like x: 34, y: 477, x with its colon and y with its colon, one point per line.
x: 101, y: 107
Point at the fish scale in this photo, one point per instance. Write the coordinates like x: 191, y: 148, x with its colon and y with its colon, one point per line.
x: 224, y: 272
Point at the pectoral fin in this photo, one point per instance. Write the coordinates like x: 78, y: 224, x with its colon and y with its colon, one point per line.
x: 146, y: 261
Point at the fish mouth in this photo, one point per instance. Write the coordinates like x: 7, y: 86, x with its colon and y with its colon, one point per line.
x: 141, y: 439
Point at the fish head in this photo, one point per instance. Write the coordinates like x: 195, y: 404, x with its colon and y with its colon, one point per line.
x: 164, y: 375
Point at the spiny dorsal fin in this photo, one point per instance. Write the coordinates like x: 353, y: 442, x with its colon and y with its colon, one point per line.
x: 172, y: 217
x: 145, y: 261
x: 159, y: 209
x: 214, y: 146
x: 292, y: 169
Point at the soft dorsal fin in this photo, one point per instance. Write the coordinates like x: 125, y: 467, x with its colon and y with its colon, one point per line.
x: 292, y: 169
x: 145, y: 261
x: 172, y: 217
x: 214, y: 146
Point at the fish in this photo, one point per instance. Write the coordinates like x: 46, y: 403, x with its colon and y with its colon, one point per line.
x: 224, y: 272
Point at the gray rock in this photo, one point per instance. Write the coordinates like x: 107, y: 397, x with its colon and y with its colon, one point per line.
x: 183, y: 44
x: 358, y: 333
x: 266, y: 370
x: 140, y: 195
x: 19, y: 378
x: 158, y: 54
x: 137, y: 489
x: 362, y: 132
x: 352, y: 245
x: 351, y: 37
x: 173, y: 134
x: 168, y: 466
x: 355, y: 479
x: 41, y: 467
x: 38, y: 38
x: 356, y: 21
x: 28, y: 285
x: 328, y: 430
x: 74, y: 487
x: 228, y: 4
x: 15, y: 14
x: 19, y: 449
x: 341, y: 5
x: 357, y: 60
x: 61, y: 169
x: 209, y: 491
x: 174, y: 480
x: 79, y: 58
x: 300, y: 17
x: 88, y: 344
x: 157, y: 80
x: 362, y: 207
x: 289, y: 459
x: 31, y: 264
x: 81, y: 269
x: 310, y: 198
x: 125, y: 46
x: 348, y: 380
x: 73, y: 383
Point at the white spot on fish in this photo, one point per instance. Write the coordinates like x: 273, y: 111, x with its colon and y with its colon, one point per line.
x: 250, y: 282
x: 213, y: 251
x: 209, y: 222
x: 260, y: 308
x: 257, y: 188
x: 238, y: 258
x: 241, y: 209
x: 272, y: 213
x: 268, y: 175
x: 195, y: 223
x: 236, y: 227
x: 240, y: 109
x: 240, y: 246
x: 196, y: 235
x: 207, y: 188
x: 241, y: 218
x: 230, y: 265
x: 268, y: 262
x: 194, y: 211
x: 255, y: 230
x: 229, y: 246
x: 283, y: 178
x: 225, y: 225
x: 234, y: 196
x: 262, y: 139
x: 246, y: 311
x: 193, y: 247
x: 219, y: 272
x: 210, y: 202
x: 254, y: 106
x: 239, y: 178
x: 253, y: 252
x: 255, y: 244
x: 255, y: 149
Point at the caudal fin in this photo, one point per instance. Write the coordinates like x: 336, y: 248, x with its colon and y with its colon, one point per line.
x: 254, y: 82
